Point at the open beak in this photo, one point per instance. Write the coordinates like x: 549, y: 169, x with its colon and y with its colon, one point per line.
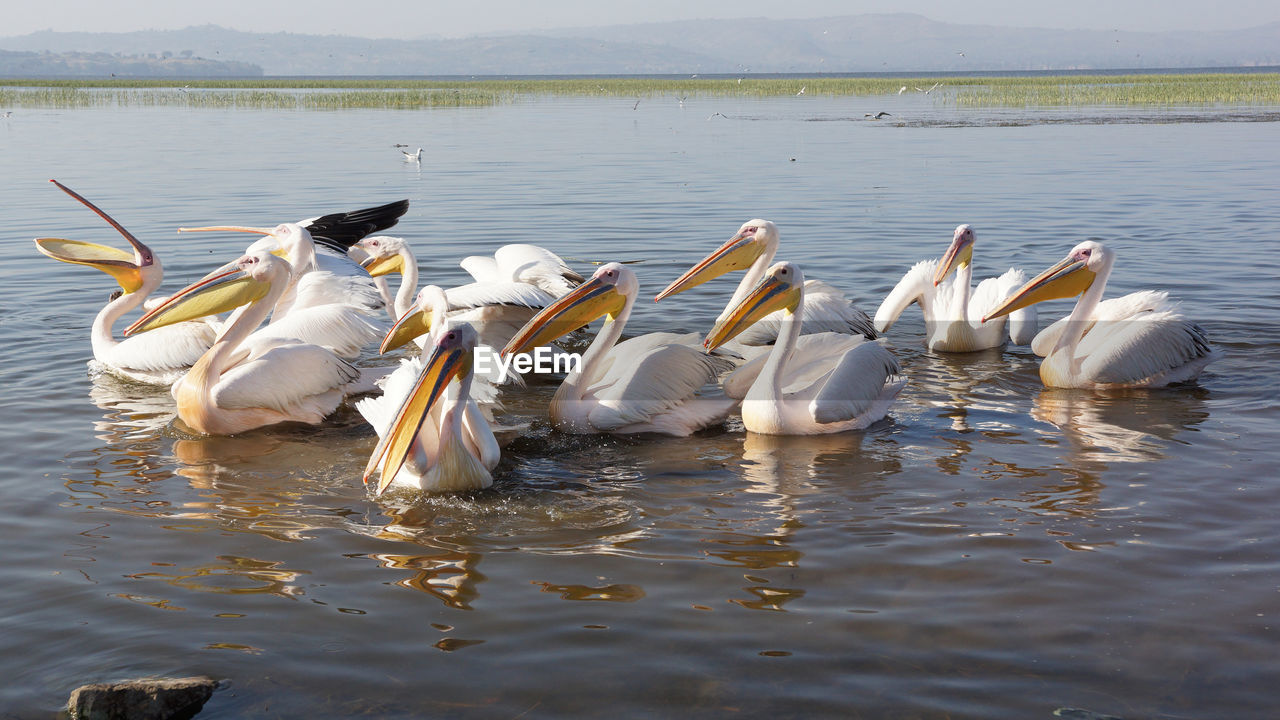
x: 590, y: 300
x: 959, y: 254
x: 1066, y: 279
x: 737, y: 254
x: 119, y: 264
x: 112, y: 261
x: 768, y: 295
x: 210, y: 296
x: 446, y: 363
x: 412, y: 324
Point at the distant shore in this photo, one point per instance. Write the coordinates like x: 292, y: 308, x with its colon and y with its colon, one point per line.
x: 1051, y: 90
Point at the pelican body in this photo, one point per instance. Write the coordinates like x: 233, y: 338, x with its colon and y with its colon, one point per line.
x: 649, y: 383
x: 952, y: 309
x: 1137, y: 340
x: 248, y: 380
x: 436, y: 439
x: 808, y: 384
x: 160, y: 358
x: 752, y: 248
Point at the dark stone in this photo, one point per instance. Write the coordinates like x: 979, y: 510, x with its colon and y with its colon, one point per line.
x: 146, y: 699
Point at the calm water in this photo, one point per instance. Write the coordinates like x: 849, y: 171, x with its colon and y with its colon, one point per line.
x: 994, y: 550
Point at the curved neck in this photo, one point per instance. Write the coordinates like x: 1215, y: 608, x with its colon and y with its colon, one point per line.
x: 101, y: 334
x: 770, y: 380
x: 964, y: 281
x: 597, y: 351
x: 751, y: 278
x: 408, y: 282
x: 1078, y: 320
x: 243, y: 325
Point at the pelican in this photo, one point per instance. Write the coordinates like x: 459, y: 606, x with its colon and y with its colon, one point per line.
x: 524, y: 263
x: 807, y: 384
x: 753, y: 248
x: 331, y: 299
x: 247, y: 380
x: 160, y: 358
x: 1138, y: 340
x: 645, y: 384
x: 952, y: 311
x: 436, y: 439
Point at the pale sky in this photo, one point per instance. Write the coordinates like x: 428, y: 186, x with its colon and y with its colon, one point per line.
x: 460, y: 18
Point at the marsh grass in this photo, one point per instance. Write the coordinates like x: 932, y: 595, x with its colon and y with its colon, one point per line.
x: 338, y: 93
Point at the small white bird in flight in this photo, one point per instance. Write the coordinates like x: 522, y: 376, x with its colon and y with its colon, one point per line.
x: 413, y: 157
x: 802, y: 91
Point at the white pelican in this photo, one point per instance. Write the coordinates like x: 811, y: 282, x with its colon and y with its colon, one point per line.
x: 247, y: 380
x: 160, y: 358
x: 1138, y: 340
x: 952, y: 313
x: 521, y: 262
x: 753, y: 248
x: 645, y: 384
x: 434, y: 437
x: 808, y: 384
x: 331, y: 299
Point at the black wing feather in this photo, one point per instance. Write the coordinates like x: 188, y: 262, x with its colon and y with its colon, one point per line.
x: 340, y: 231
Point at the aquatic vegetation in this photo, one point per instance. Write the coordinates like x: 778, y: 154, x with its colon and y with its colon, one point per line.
x: 338, y: 93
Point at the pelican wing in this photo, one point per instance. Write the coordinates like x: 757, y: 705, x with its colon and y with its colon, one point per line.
x: 914, y: 286
x: 649, y: 376
x: 339, y: 231
x: 1146, y: 344
x: 854, y: 385
x: 992, y: 292
x: 537, y: 266
x: 165, y: 348
x: 283, y: 377
x: 479, y: 294
x: 344, y: 329
x: 1107, y: 311
x: 335, y: 280
x: 813, y: 357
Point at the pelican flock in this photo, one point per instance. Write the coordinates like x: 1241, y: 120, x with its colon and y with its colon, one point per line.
x: 308, y: 301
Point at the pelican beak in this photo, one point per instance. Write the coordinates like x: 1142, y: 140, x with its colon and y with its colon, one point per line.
x: 768, y: 295
x: 590, y: 300
x: 112, y: 261
x: 268, y: 232
x: 446, y: 362
x: 737, y: 254
x: 959, y: 254
x: 209, y: 296
x: 125, y: 267
x: 379, y: 266
x: 412, y: 324
x: 1066, y: 279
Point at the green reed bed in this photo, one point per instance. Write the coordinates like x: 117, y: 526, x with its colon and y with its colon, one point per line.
x: 338, y: 93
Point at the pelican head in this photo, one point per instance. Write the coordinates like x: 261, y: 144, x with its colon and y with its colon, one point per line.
x: 451, y: 357
x: 959, y: 254
x: 384, y: 255
x: 130, y: 270
x: 287, y: 240
x: 753, y: 239
x: 1073, y: 275
x: 780, y: 288
x: 417, y: 320
x: 248, y: 280
x: 606, y: 293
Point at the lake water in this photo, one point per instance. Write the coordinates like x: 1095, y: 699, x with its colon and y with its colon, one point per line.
x: 993, y: 550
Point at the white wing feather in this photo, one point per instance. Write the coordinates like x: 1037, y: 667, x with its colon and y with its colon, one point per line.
x: 854, y: 385
x: 283, y: 377
x: 650, y: 376
x: 167, y: 348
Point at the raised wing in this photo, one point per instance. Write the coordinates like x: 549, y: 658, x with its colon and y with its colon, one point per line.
x: 915, y: 286
x: 339, y: 231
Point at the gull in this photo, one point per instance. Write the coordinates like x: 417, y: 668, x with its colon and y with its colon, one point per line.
x: 413, y: 157
x: 902, y: 89
x: 802, y: 89
x: 682, y: 99
x: 633, y: 107
x: 877, y: 116
x: 717, y: 115
x: 961, y: 54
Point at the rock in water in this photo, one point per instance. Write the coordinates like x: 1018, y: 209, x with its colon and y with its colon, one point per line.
x: 147, y: 699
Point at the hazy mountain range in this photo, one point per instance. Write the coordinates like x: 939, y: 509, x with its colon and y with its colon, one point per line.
x: 858, y: 43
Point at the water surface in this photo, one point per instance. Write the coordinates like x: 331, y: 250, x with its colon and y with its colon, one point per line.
x: 992, y: 550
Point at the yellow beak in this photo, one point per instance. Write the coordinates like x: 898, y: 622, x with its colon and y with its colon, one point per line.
x: 412, y: 324
x: 959, y: 254
x: 590, y: 300
x: 211, y: 296
x: 1066, y: 279
x: 736, y: 254
x: 444, y: 364
x: 112, y: 261
x: 768, y: 295
x: 379, y: 266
